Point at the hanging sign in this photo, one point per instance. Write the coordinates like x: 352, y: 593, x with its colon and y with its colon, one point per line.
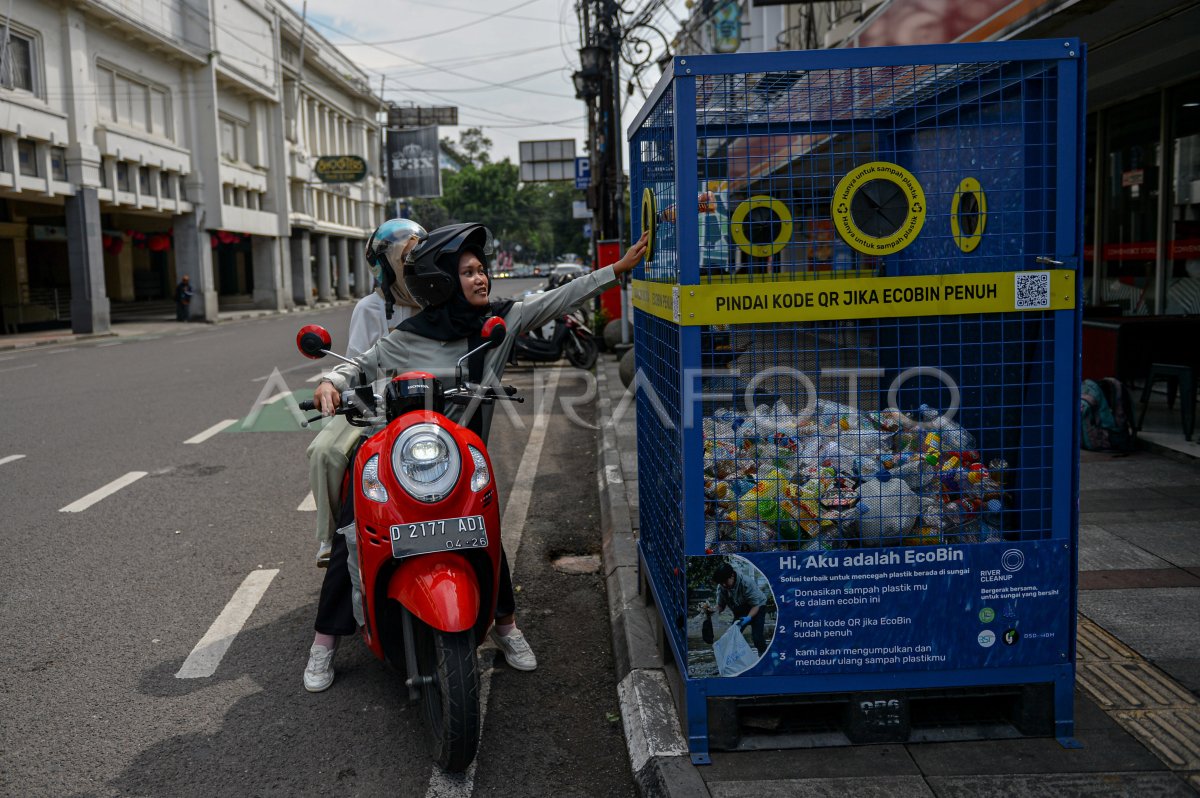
x: 878, y: 208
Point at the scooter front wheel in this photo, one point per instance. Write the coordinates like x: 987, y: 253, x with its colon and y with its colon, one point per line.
x: 450, y: 703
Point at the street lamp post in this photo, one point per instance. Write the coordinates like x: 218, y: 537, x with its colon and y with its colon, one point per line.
x: 610, y: 35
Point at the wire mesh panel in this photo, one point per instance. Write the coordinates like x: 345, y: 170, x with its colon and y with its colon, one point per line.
x: 858, y: 367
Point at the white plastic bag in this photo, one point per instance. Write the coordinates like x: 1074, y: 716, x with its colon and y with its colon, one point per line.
x: 734, y: 654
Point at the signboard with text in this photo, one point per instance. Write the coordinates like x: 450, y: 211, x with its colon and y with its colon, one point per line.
x: 413, y: 164
x: 915, y: 608
x: 340, y: 169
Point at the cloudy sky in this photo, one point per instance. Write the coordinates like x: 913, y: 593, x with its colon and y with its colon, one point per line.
x: 506, y: 64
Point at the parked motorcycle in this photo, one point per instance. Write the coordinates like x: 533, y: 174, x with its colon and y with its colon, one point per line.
x: 568, y: 336
x: 424, y: 553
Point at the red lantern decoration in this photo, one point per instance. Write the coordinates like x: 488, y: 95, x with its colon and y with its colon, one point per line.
x: 159, y: 242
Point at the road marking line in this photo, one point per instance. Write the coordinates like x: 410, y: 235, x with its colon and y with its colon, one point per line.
x: 10, y: 458
x: 114, y: 343
x: 18, y: 368
x: 276, y: 397
x: 461, y: 785
x: 100, y: 493
x: 316, y: 378
x: 207, y: 654
x: 211, y: 431
x: 309, y: 505
x: 193, y: 335
x: 517, y: 508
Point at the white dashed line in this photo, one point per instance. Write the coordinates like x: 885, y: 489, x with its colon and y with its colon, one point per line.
x: 276, y: 398
x: 114, y: 343
x: 96, y: 495
x: 309, y: 505
x: 207, y: 654
x: 316, y: 378
x: 13, y: 457
x: 516, y: 507
x: 211, y: 431
x: 18, y: 368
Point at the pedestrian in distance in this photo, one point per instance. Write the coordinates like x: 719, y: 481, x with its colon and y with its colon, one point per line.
x: 183, y: 298
x: 745, y: 600
x: 448, y: 275
x: 374, y: 315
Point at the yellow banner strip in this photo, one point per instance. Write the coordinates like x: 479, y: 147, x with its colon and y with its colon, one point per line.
x: 857, y: 297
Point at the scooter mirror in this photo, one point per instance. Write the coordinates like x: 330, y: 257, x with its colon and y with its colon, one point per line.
x: 494, y: 331
x: 313, y: 341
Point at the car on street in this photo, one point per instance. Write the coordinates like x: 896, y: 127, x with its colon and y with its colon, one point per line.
x: 563, y: 273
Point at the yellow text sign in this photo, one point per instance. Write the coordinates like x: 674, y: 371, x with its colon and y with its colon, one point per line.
x: 857, y: 297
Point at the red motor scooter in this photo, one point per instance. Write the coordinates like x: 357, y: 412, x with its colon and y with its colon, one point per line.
x: 424, y: 550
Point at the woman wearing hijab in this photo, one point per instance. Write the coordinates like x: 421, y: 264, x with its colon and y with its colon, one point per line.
x: 447, y: 274
x: 376, y: 313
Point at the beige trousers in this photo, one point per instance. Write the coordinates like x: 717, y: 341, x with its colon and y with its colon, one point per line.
x: 328, y: 457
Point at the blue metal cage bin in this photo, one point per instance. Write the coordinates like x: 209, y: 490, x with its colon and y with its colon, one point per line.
x: 857, y: 343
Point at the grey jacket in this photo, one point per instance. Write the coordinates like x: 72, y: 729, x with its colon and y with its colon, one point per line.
x: 401, y: 351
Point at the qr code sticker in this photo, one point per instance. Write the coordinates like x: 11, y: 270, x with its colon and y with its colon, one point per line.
x: 1033, y: 290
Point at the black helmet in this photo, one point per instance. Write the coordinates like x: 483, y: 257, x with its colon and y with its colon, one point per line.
x: 431, y: 269
x: 385, y: 249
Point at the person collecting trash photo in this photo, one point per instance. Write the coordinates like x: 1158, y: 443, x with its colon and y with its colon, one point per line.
x: 745, y: 600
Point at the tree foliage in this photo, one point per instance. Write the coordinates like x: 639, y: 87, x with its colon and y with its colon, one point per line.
x: 534, y: 216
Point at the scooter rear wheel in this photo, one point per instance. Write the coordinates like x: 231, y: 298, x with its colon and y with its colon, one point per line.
x: 581, y: 350
x: 450, y: 705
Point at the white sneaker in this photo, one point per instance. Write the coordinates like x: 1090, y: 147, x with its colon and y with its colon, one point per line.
x: 318, y: 674
x: 515, y: 648
x: 323, y: 552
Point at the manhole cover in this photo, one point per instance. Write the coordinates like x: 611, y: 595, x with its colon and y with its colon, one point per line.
x: 577, y: 563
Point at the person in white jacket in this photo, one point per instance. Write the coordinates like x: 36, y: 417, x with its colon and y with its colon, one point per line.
x: 329, y: 452
x: 447, y: 274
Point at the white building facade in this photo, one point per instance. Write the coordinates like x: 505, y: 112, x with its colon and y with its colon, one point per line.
x: 142, y: 142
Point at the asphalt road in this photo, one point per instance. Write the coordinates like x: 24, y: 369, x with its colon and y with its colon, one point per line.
x: 103, y: 605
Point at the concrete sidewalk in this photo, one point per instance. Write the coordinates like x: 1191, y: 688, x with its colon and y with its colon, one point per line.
x: 149, y: 325
x: 1138, y: 669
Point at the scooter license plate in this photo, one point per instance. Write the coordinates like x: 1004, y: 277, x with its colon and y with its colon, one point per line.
x: 447, y: 534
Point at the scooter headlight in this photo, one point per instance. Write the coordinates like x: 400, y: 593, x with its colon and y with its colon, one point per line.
x: 481, y: 477
x: 372, y: 488
x: 426, y: 461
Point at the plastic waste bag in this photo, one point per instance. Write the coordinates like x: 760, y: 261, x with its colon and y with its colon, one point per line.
x: 734, y: 654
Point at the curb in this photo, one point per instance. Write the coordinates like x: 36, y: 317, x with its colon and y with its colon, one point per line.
x: 229, y: 317
x: 658, y: 753
x: 9, y: 346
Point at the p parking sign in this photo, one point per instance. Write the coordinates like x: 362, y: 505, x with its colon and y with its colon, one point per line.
x: 583, y: 172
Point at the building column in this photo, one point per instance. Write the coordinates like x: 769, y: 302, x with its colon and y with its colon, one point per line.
x: 118, y: 271
x: 343, y: 261
x: 85, y: 261
x: 362, y: 275
x: 324, y: 278
x: 302, y: 283
x: 268, y: 279
x: 193, y: 257
x: 286, y: 295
